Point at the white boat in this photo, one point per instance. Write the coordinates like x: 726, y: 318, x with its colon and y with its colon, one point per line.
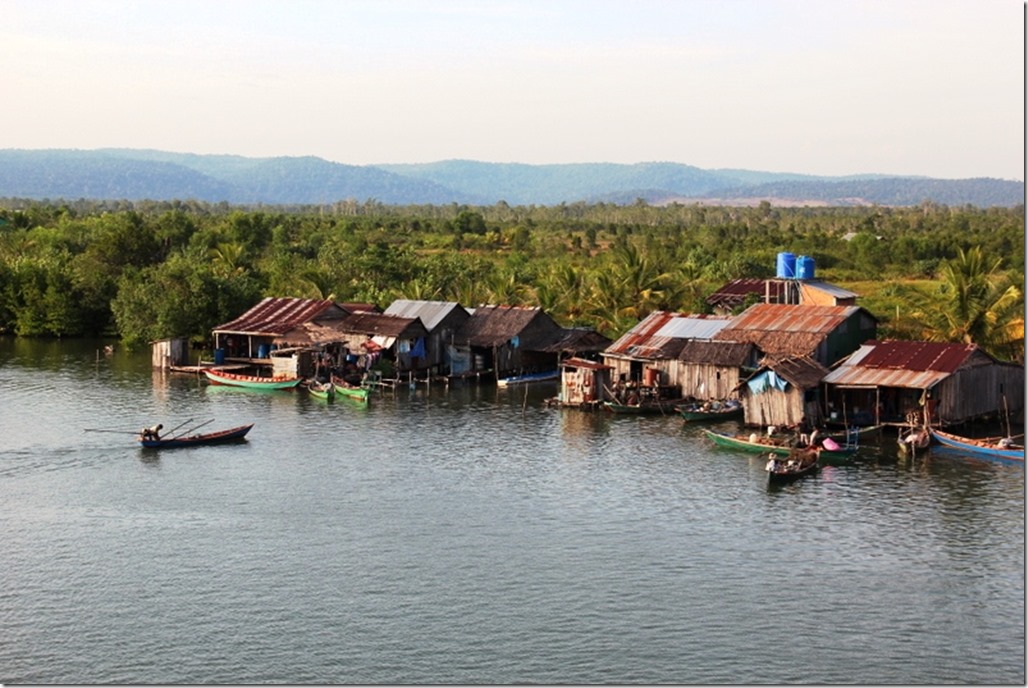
x: 527, y: 378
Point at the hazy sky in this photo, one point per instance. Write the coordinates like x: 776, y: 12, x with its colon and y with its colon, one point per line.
x: 921, y: 87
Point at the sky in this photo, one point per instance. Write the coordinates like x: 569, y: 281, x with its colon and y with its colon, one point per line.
x: 825, y: 87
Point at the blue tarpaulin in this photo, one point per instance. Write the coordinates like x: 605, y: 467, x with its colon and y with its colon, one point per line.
x: 765, y: 381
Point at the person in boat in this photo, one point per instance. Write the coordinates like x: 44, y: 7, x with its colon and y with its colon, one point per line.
x: 153, y: 432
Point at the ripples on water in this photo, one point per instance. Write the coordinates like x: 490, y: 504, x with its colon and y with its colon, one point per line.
x: 474, y: 536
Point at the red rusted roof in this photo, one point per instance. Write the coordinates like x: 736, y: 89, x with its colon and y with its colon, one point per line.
x: 941, y: 356
x: 584, y: 363
x: 913, y: 365
x: 278, y: 315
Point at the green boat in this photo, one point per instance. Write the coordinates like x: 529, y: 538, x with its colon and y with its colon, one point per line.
x: 321, y: 390
x: 765, y: 446
x: 357, y: 395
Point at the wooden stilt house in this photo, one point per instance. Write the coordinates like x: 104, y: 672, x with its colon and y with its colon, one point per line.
x: 781, y: 392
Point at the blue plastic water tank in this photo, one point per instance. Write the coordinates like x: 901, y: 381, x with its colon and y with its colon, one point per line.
x: 263, y: 350
x: 805, y: 268
x: 219, y: 356
x: 786, y: 266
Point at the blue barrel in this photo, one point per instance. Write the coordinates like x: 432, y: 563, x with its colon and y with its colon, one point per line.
x: 219, y: 357
x: 786, y: 266
x: 805, y: 268
x: 263, y: 350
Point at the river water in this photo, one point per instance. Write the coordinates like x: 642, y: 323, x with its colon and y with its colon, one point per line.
x: 473, y: 535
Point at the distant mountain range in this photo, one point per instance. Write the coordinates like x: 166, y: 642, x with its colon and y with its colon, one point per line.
x: 125, y: 174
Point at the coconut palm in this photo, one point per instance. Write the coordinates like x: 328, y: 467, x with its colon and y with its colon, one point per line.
x: 975, y: 304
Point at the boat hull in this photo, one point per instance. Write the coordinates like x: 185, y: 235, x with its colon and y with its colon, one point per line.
x: 978, y: 447
x: 783, y: 475
x: 528, y: 379
x: 249, y: 381
x: 694, y: 415
x: 220, y: 437
x: 638, y: 409
x: 358, y: 395
x: 324, y: 392
x: 723, y: 440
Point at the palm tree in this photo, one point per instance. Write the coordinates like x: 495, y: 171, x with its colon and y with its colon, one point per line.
x: 975, y: 304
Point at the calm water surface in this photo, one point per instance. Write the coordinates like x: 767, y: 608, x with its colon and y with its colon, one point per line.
x: 473, y: 535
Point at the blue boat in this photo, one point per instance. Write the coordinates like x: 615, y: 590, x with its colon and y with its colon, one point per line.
x: 995, y: 449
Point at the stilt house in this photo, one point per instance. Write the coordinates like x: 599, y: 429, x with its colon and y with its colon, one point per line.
x: 442, y: 320
x: 648, y: 354
x: 782, y: 391
x: 826, y: 334
x: 909, y: 382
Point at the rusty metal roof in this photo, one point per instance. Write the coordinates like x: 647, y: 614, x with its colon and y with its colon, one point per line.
x: 662, y: 334
x: 277, y: 315
x: 909, y: 364
x: 784, y: 329
x: 584, y: 363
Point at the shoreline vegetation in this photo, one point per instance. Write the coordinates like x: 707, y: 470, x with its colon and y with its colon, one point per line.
x: 148, y: 270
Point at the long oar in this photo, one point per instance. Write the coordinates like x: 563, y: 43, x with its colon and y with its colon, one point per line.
x: 178, y: 426
x: 183, y: 434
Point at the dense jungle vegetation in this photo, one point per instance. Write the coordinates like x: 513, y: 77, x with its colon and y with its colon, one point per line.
x: 149, y: 270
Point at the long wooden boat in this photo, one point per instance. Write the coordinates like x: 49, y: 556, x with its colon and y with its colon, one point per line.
x: 710, y: 411
x: 643, y: 408
x: 765, y: 445
x: 219, y: 437
x: 221, y: 377
x: 527, y: 378
x: 996, y: 449
x: 321, y: 390
x: 801, y: 462
x: 359, y: 395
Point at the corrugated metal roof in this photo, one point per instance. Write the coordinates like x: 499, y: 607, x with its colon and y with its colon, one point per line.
x: 662, y: 334
x: 780, y: 317
x: 278, y: 315
x: 694, y: 327
x: 913, y: 365
x: 431, y: 312
x: 783, y: 329
x: 584, y: 363
x: 835, y: 291
x: 941, y: 356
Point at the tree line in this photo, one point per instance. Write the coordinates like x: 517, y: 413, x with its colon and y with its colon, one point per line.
x: 149, y: 270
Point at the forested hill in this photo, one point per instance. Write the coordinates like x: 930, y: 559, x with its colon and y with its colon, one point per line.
x: 123, y: 174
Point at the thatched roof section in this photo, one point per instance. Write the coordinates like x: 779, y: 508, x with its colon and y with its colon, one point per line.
x: 577, y: 340
x: 495, y: 325
x: 802, y: 372
x: 733, y: 354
